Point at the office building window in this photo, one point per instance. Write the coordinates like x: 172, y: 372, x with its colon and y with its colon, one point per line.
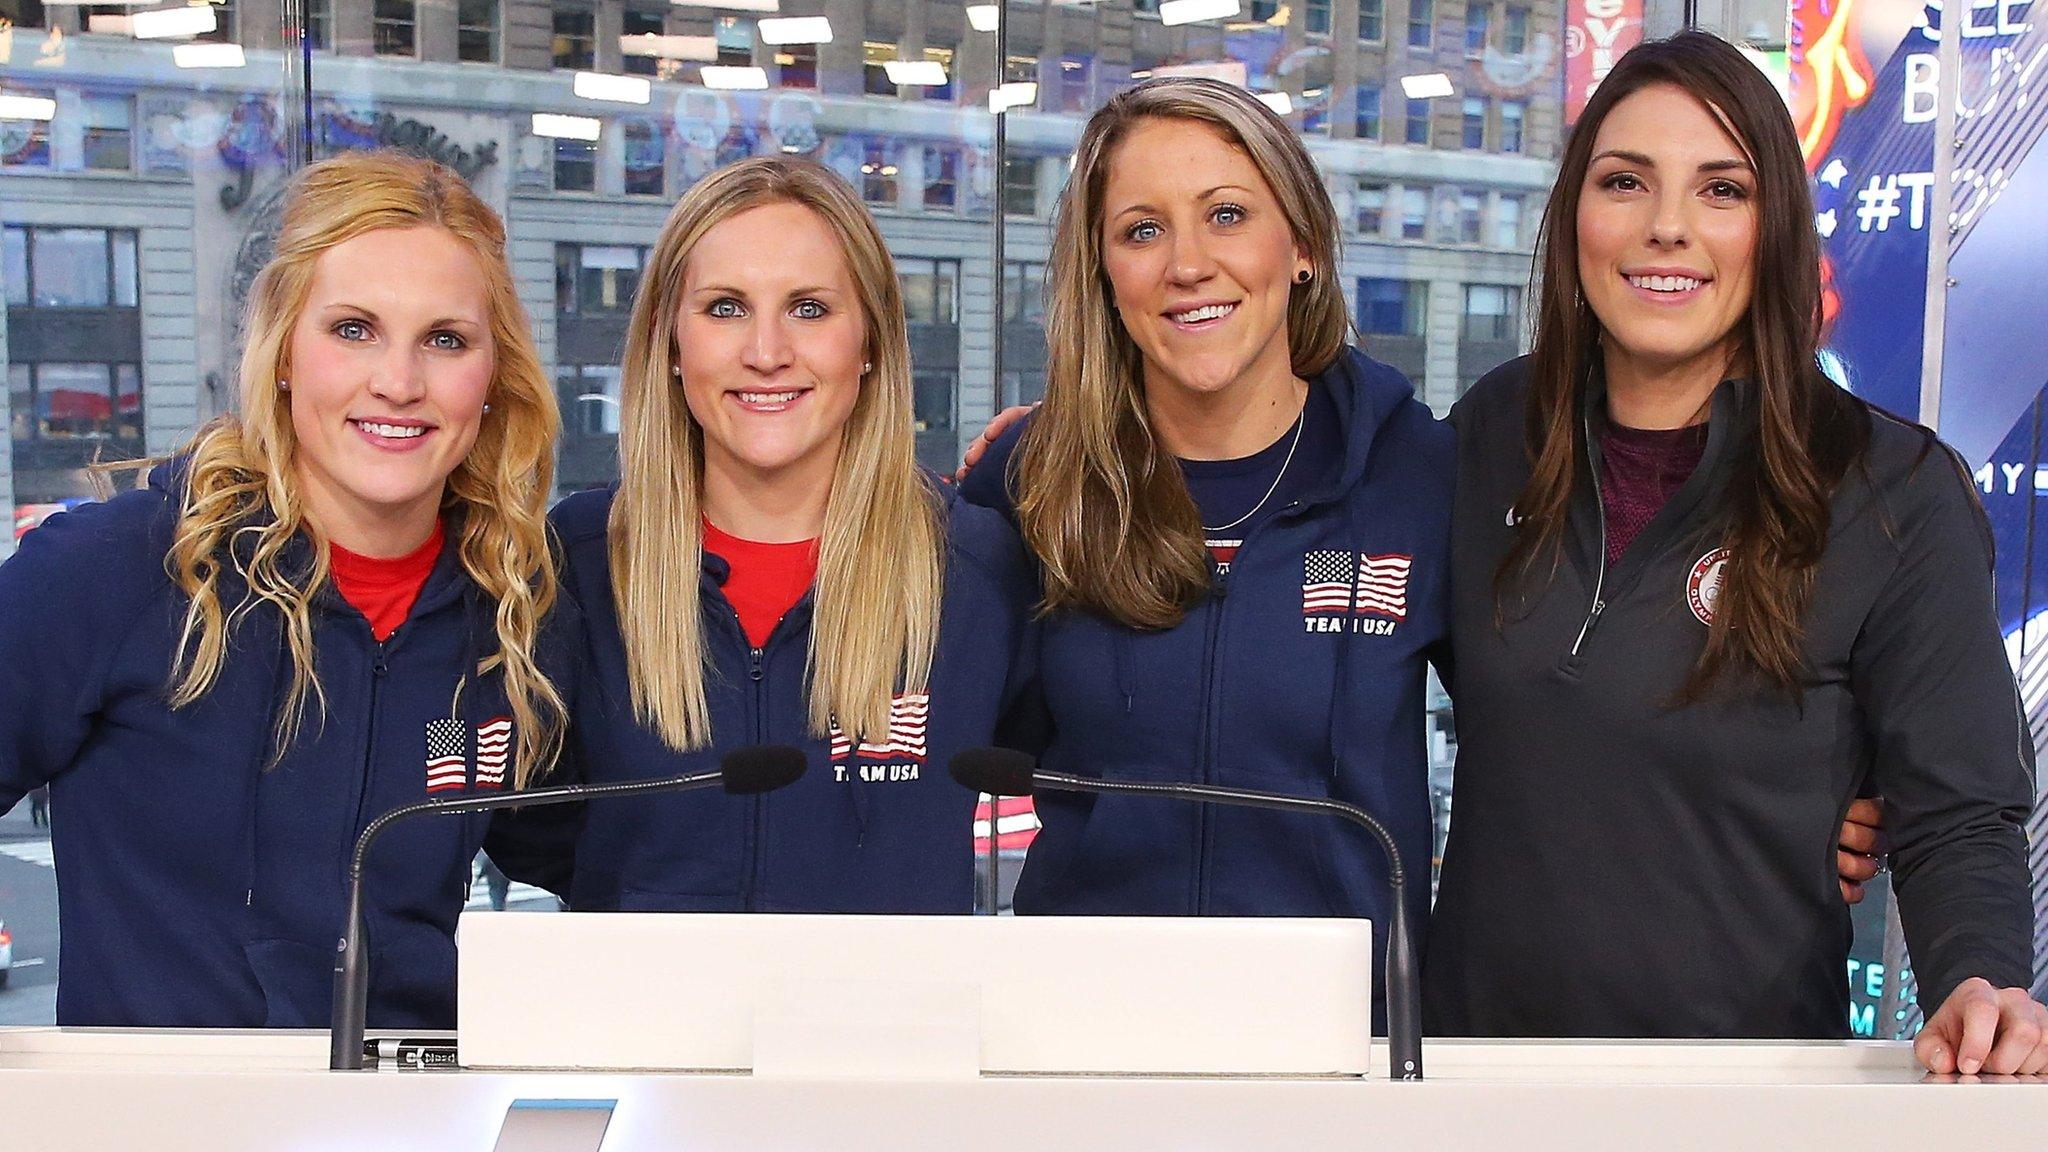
x: 74, y: 270
x: 1473, y: 135
x: 733, y: 39
x: 875, y: 76
x: 1507, y: 222
x: 1368, y: 126
x: 1076, y: 91
x: 1414, y: 214
x: 1024, y: 292
x: 575, y: 165
x: 1371, y: 203
x: 26, y: 143
x: 1391, y: 307
x: 941, y: 178
x: 109, y: 133
x: 1471, y: 217
x: 596, y: 279
x: 320, y: 24
x: 1316, y: 17
x: 1372, y: 20
x: 646, y: 157
x: 636, y: 24
x: 476, y: 31
x: 931, y: 290
x: 1418, y: 122
x: 1513, y: 114
x: 1515, y: 35
x: 1477, y: 17
x: 1421, y: 23
x: 224, y: 23
x: 796, y: 65
x: 575, y: 42
x: 943, y: 93
x: 391, y: 32
x: 1490, y: 312
x: 1020, y: 185
x: 878, y: 174
x: 589, y: 397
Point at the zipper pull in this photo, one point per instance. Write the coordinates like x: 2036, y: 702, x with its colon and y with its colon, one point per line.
x: 754, y: 665
x: 380, y: 666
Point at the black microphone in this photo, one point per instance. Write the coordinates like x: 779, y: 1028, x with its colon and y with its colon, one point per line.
x: 1006, y: 772
x: 743, y: 772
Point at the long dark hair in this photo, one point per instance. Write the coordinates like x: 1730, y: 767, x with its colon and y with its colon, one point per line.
x: 1800, y: 432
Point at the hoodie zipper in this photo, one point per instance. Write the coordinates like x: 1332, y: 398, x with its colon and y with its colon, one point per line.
x: 757, y: 674
x: 1600, y: 557
x: 379, y: 668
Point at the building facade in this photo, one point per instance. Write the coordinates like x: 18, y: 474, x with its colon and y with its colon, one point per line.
x: 137, y: 209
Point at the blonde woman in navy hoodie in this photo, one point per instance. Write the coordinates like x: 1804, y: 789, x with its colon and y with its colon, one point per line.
x: 774, y: 568
x: 325, y: 607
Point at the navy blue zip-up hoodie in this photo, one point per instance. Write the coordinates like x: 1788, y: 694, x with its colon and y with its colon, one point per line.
x: 879, y: 828
x: 201, y: 888
x: 1259, y: 686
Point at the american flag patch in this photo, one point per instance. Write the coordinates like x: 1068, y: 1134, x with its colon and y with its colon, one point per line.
x: 447, y: 755
x: 1383, y: 585
x: 493, y: 745
x: 1326, y: 582
x: 908, y: 715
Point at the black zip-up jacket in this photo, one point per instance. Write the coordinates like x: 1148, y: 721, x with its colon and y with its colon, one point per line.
x: 1621, y: 865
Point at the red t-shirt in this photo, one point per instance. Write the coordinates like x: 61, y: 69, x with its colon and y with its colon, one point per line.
x: 766, y: 581
x: 384, y: 590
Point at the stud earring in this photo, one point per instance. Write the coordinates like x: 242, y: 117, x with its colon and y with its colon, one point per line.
x: 1303, y: 276
x: 866, y: 366
x: 284, y: 385
x: 676, y: 370
x: 487, y: 409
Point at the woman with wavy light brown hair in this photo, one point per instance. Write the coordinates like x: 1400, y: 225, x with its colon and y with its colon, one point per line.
x: 1701, y: 596
x: 774, y: 568
x: 325, y: 606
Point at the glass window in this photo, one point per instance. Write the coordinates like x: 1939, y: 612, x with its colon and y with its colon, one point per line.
x: 1516, y: 37
x: 1020, y: 185
x: 734, y: 40
x: 1421, y: 23
x: 1512, y: 114
x: 392, y: 34
x: 1316, y: 19
x: 1477, y: 17
x: 21, y: 403
x: 1507, y: 222
x: 607, y: 275
x: 1418, y: 122
x: 932, y: 399
x: 641, y: 24
x: 109, y: 128
x: 1024, y: 292
x: 476, y: 31
x: 14, y: 270
x: 1372, y: 20
x: 589, y: 396
x: 875, y: 56
x: 1391, y: 307
x: 1368, y: 127
x: 797, y: 65
x: 320, y: 24
x: 931, y: 290
x: 646, y: 158
x: 1490, y: 311
x: 575, y: 165
x: 1474, y: 128
x: 1076, y: 90
x: 223, y: 23
x: 1471, y: 216
x: 575, y: 43
x: 70, y: 267
x: 127, y: 402
x: 1371, y: 203
x: 126, y: 273
x: 25, y: 143
x: 941, y: 177
x: 74, y: 401
x: 878, y: 173
x: 943, y: 93
x: 1414, y: 213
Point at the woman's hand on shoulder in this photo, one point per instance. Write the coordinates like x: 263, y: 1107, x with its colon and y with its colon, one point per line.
x: 996, y: 427
x: 1982, y: 1029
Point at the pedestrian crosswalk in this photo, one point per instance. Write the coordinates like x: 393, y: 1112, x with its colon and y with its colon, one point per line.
x: 29, y: 852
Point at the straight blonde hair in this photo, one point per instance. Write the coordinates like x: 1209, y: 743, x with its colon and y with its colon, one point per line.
x: 242, y: 509
x: 1101, y: 503
x: 876, y: 615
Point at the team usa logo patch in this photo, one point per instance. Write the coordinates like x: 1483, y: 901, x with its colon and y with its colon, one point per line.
x: 448, y: 759
x: 898, y: 756
x: 1350, y: 591
x: 1703, y: 586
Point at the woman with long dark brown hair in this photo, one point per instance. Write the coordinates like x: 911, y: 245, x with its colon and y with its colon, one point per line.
x: 1701, y: 596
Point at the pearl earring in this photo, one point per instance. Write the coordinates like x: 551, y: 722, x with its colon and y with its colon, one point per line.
x: 487, y: 409
x: 866, y: 366
x: 284, y: 385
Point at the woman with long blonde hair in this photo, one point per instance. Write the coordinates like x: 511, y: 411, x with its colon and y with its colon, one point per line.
x: 325, y: 606
x: 774, y: 568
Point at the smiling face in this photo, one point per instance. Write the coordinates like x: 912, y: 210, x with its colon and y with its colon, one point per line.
x: 390, y: 362
x: 1199, y: 256
x: 1667, y: 231
x: 771, y: 340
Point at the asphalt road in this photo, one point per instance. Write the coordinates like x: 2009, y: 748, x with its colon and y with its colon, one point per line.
x: 28, y: 903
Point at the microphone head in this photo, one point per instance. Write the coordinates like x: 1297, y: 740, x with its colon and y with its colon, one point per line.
x: 996, y: 771
x: 761, y: 768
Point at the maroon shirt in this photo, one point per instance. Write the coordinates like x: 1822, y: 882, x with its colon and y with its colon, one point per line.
x: 1640, y: 470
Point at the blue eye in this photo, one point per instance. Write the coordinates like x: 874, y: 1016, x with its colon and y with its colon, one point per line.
x: 808, y: 310
x: 725, y: 308
x: 352, y: 330
x: 448, y: 341
x: 1142, y: 231
x: 1227, y: 214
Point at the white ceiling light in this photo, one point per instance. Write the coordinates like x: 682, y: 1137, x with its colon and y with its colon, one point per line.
x: 1277, y: 101
x: 1016, y: 94
x: 922, y: 73
x: 732, y: 5
x: 796, y: 30
x: 618, y: 89
x: 734, y: 79
x: 983, y: 17
x: 1173, y: 12
x: 1426, y: 86
x: 105, y: 24
x: 670, y: 47
x: 27, y: 107
x: 207, y: 55
x: 566, y: 127
x: 165, y: 23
